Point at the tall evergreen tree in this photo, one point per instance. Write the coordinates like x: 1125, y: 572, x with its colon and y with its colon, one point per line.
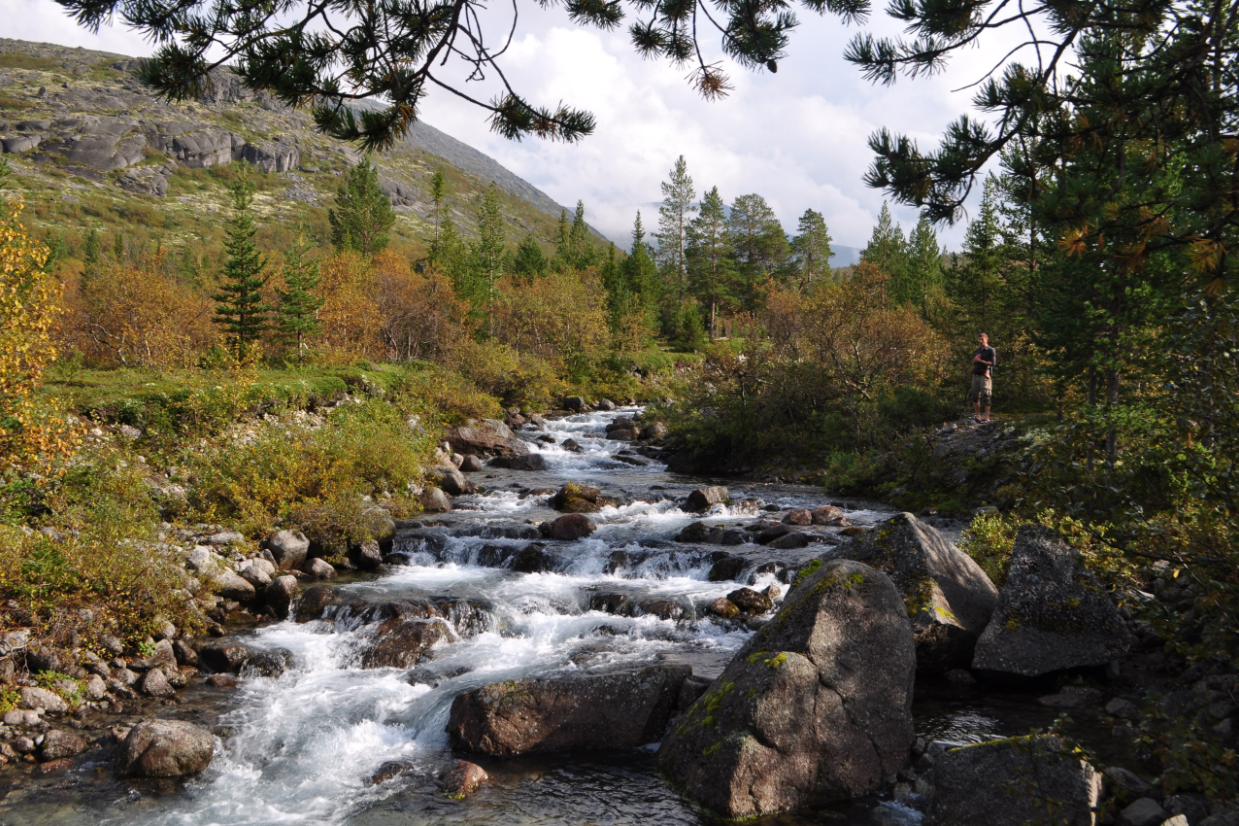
x: 362, y: 215
x: 529, y: 261
x: 575, y: 249
x: 811, y: 248
x: 978, y: 282
x: 760, y: 243
x: 487, y: 253
x: 640, y: 273
x: 673, y: 217
x: 712, y: 272
x: 296, y: 316
x: 887, y: 248
x: 923, y: 270
x: 239, y: 306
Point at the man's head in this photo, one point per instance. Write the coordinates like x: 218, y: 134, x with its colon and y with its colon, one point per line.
x: 983, y: 337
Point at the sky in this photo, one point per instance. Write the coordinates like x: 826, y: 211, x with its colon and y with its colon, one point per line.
x: 797, y: 137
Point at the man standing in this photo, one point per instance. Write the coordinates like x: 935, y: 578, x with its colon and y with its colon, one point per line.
x: 983, y: 362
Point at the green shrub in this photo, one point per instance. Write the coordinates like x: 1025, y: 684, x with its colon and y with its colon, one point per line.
x: 989, y: 540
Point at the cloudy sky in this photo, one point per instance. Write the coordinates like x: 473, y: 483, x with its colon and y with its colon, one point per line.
x: 797, y: 137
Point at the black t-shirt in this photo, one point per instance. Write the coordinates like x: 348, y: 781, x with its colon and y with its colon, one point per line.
x: 988, y: 354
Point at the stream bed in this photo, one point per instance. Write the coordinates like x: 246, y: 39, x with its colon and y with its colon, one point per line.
x: 300, y: 748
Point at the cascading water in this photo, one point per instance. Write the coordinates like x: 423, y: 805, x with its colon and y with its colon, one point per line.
x: 300, y: 748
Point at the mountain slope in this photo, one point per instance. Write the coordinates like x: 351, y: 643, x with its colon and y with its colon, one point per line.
x: 93, y: 148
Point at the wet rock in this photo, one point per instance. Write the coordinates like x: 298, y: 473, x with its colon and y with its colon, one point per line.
x: 826, y: 515
x: 154, y: 683
x: 703, y: 499
x: 221, y: 681
x: 34, y: 698
x: 664, y: 609
x: 799, y: 516
x: 574, y: 403
x: 402, y: 643
x: 163, y: 655
x: 569, y: 527
x: 1071, y: 697
x: 750, y: 601
x: 771, y: 533
x: 816, y: 706
x: 852, y: 531
x: 1052, y: 613
x: 960, y: 676
x: 471, y: 464
x: 696, y: 532
x: 619, y: 604
x: 532, y: 559
x: 53, y: 767
x: 434, y: 500
x: 1143, y: 812
x: 723, y: 607
x: 789, y: 541
x: 224, y: 657
x: 572, y: 446
x: 95, y: 688
x: 451, y: 481
x: 388, y: 771
x: 490, y: 438
x: 165, y: 748
x: 1012, y: 782
x: 949, y: 598
x: 571, y: 713
x: 726, y: 567
x: 278, y: 596
x: 314, y: 601
x: 576, y: 497
x: 527, y: 461
x: 230, y: 585
x: 59, y: 744
x: 654, y: 431
x: 322, y: 569
x: 463, y: 779
x: 268, y: 663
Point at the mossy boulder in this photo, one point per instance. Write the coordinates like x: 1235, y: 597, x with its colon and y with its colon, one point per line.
x: 948, y: 597
x: 1053, y: 613
x: 816, y: 706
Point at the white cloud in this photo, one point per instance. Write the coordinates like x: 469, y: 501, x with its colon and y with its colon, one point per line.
x: 797, y: 137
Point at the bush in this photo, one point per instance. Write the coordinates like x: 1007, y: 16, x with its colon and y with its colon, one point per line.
x: 989, y: 540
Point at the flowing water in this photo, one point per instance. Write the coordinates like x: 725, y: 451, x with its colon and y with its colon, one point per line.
x: 298, y: 749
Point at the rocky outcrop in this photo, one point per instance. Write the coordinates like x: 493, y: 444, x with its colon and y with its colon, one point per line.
x: 816, y: 706
x: 1012, y: 783
x: 1052, y: 613
x: 165, y: 748
x: 573, y: 713
x: 403, y: 643
x: 948, y: 597
x: 489, y: 438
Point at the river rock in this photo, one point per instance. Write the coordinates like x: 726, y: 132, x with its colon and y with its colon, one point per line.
x: 367, y: 556
x: 574, y: 403
x: 798, y: 516
x: 576, y: 497
x: 526, y: 461
x: 268, y: 663
x: 451, y: 480
x: 165, y: 748
x: 572, y: 713
x: 1013, y: 782
x: 463, y: 779
x: 703, y: 499
x: 816, y: 706
x: 826, y: 515
x: 490, y: 438
x: 948, y: 597
x: 402, y: 643
x: 278, y: 596
x: 1143, y: 812
x: 231, y: 585
x: 388, y: 771
x: 59, y: 744
x: 288, y: 548
x: 314, y: 601
x: 434, y: 500
x: 532, y: 559
x: 571, y: 445
x: 723, y: 607
x: 750, y: 601
x: 34, y: 698
x: 654, y: 431
x: 224, y: 657
x: 1052, y: 613
x: 470, y: 464
x: 569, y: 527
x: 789, y: 541
x: 321, y: 568
x: 154, y: 683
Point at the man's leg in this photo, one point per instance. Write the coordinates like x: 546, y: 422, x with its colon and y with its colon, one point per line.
x: 987, y: 413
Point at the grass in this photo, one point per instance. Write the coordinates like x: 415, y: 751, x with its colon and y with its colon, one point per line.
x: 21, y: 60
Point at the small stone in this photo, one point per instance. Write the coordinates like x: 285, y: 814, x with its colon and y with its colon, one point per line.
x: 462, y: 779
x: 221, y: 681
x: 389, y: 770
x: 723, y: 607
x: 1144, y: 812
x: 96, y: 689
x: 53, y: 767
x: 320, y: 568
x: 155, y: 684
x: 59, y: 744
x: 799, y: 516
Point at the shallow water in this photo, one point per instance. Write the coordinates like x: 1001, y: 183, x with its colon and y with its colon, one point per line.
x: 298, y: 749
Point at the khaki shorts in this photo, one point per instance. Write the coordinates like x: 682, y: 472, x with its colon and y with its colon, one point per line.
x: 982, y: 389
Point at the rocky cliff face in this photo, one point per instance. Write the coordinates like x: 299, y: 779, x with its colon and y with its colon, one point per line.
x: 84, y: 116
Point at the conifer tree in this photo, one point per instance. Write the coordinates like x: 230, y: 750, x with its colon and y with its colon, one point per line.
x: 239, y: 306
x: 712, y: 271
x: 924, y: 265
x: 575, y: 249
x: 362, y: 215
x: 639, y: 270
x: 296, y: 315
x: 673, y: 217
x: 811, y: 248
x: 486, y: 254
x: 887, y: 249
x: 758, y: 238
x: 529, y: 261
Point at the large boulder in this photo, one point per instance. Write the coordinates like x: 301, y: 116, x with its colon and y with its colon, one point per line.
x: 526, y: 461
x: 1052, y: 613
x: 576, y: 497
x: 569, y: 527
x: 490, y: 438
x: 703, y: 499
x: 816, y: 706
x: 451, y: 480
x: 572, y: 713
x: 1013, y: 782
x: 948, y: 597
x: 434, y: 500
x: 279, y: 594
x: 288, y: 548
x: 165, y: 748
x: 403, y: 643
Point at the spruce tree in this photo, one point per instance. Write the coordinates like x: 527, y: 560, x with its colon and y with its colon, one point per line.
x: 486, y: 255
x: 639, y: 270
x: 759, y: 241
x: 887, y: 249
x: 575, y: 249
x: 296, y: 318
x: 362, y: 215
x: 924, y: 265
x: 811, y: 248
x: 529, y: 261
x: 673, y: 217
x: 239, y: 306
x: 712, y: 271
